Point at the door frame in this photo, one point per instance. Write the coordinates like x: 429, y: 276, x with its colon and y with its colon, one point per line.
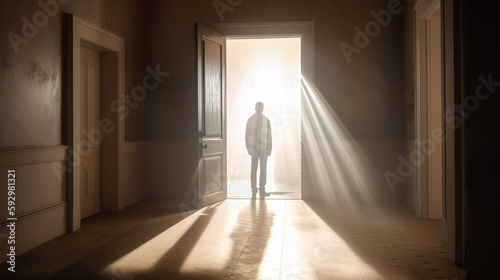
x: 297, y: 98
x: 300, y: 29
x: 424, y: 10
x: 454, y: 221
x: 112, y: 49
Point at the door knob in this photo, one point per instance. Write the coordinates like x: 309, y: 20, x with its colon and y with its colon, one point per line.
x: 205, y: 146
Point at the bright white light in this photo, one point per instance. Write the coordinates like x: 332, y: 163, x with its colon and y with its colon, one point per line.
x: 268, y: 71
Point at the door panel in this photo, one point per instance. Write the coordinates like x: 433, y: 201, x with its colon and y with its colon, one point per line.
x: 91, y: 183
x: 90, y: 136
x: 213, y: 87
x: 213, y: 174
x: 211, y: 116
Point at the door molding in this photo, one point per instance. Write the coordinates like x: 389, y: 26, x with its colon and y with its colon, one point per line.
x: 424, y: 10
x: 112, y: 49
x: 302, y: 29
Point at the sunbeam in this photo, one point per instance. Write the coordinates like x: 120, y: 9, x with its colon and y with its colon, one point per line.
x: 176, y: 247
x: 335, y: 164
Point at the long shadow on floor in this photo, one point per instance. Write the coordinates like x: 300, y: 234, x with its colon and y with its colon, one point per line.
x: 99, y: 231
x: 249, y: 236
x: 175, y: 257
x: 388, y: 238
x: 248, y: 265
x: 93, y: 265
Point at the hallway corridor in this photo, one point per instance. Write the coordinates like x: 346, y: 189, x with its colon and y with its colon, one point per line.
x: 245, y: 239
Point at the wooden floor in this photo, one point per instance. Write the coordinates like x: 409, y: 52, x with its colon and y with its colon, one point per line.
x: 278, y: 190
x: 245, y: 239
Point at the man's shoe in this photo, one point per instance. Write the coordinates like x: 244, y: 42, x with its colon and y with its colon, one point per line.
x: 264, y: 194
x: 254, y: 193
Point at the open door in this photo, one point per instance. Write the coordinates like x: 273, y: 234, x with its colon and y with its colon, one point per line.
x: 211, y: 51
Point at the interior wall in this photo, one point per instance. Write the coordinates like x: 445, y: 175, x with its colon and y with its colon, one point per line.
x: 33, y: 101
x: 407, y: 191
x: 367, y: 93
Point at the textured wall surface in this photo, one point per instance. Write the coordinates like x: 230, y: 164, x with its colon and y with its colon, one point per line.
x: 366, y: 93
x: 32, y: 65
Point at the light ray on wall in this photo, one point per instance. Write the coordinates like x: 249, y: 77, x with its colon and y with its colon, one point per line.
x: 336, y: 167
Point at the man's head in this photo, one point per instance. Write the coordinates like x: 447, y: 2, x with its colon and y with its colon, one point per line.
x: 259, y: 107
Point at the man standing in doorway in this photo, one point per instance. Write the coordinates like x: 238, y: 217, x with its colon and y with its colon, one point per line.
x: 259, y: 144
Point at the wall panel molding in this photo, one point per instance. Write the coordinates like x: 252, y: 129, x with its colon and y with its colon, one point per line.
x: 31, y: 155
x: 41, y: 195
x: 34, y: 212
x: 136, y: 178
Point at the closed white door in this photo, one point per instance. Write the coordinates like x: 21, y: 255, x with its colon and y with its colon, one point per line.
x: 90, y: 135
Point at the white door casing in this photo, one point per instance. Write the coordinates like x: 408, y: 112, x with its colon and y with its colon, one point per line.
x: 90, y: 193
x: 429, y: 121
x: 111, y: 121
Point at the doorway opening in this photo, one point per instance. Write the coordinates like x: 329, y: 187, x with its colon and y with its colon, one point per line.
x: 266, y: 70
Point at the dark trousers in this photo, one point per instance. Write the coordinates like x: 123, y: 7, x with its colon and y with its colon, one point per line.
x: 262, y: 157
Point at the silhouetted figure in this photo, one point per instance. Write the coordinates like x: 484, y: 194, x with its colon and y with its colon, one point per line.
x: 259, y: 144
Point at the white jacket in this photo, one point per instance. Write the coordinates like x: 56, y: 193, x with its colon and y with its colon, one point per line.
x: 258, y: 134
